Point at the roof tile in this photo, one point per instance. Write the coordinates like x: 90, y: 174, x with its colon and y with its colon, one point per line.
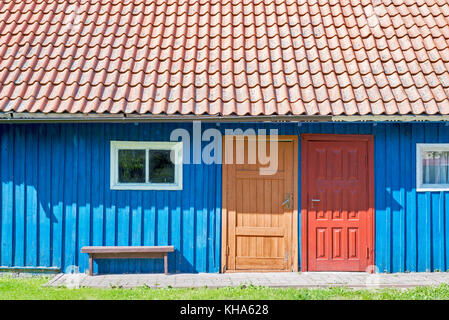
x: 225, y: 57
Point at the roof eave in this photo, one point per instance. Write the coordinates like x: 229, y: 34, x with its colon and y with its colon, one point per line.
x: 391, y: 118
x: 39, y: 117
x: 22, y: 117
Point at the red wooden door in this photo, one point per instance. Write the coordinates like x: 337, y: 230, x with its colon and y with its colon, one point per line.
x: 338, y: 204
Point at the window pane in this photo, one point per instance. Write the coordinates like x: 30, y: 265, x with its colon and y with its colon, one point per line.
x: 131, y: 166
x: 162, y: 169
x: 435, y: 167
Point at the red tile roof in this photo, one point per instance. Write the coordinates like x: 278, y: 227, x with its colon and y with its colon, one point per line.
x: 224, y: 57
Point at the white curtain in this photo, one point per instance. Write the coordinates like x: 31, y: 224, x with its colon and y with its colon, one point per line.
x: 435, y: 167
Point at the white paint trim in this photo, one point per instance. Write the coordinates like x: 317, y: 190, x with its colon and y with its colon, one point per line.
x: 145, y: 145
x: 387, y: 118
x: 420, y: 186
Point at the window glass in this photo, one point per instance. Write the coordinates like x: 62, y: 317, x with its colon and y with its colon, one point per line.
x: 131, y: 166
x: 435, y: 167
x: 161, y: 168
x: 146, y: 165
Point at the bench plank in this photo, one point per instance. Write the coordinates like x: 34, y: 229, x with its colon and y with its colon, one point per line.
x: 127, y: 252
x: 113, y: 249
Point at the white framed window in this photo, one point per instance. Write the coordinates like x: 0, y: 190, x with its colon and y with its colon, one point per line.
x: 146, y: 165
x: 432, y: 167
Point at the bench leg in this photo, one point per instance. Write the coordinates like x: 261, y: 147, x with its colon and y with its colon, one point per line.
x: 91, y: 265
x: 165, y: 263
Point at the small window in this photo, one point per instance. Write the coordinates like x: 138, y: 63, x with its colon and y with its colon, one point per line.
x: 137, y: 165
x: 432, y: 167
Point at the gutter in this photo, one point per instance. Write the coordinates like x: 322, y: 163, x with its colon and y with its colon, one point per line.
x: 391, y: 118
x: 20, y: 117
x: 25, y: 117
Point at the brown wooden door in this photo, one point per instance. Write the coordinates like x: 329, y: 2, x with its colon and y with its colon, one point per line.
x: 257, y: 228
x: 338, y: 202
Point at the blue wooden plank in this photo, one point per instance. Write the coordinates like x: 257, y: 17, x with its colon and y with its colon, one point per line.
x: 57, y: 183
x: 109, y: 237
x: 380, y: 197
x: 161, y: 224
x: 44, y: 190
x: 390, y: 152
x: 438, y: 220
x: 351, y: 129
x: 99, y: 148
x: 188, y: 218
x: 422, y: 209
x: 31, y: 196
x: 437, y: 232
x: 123, y: 215
x: 109, y: 215
x: 135, y: 266
x: 19, y: 195
x: 326, y: 128
x: 176, y: 225
x: 365, y: 128
x: 403, y: 143
x: 70, y: 201
x: 396, y: 200
x: 202, y: 216
x: 411, y: 216
x: 444, y: 136
x: 149, y: 209
x: 83, y: 192
x: 201, y: 219
x: 7, y: 191
x: 431, y: 134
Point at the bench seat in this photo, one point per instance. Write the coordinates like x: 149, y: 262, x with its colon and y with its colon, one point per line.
x: 127, y: 252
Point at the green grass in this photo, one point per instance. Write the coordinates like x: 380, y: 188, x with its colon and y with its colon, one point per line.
x: 31, y: 288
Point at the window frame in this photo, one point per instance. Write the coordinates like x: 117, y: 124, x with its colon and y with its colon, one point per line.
x: 428, y: 187
x: 115, y: 146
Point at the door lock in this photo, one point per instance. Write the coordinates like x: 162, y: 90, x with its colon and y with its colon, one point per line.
x: 286, y: 202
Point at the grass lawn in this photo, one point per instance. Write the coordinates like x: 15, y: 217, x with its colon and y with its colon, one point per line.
x: 31, y: 288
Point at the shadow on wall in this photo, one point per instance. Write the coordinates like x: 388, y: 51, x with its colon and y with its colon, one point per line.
x: 125, y: 266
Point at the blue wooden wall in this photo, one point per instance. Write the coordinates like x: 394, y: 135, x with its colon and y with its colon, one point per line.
x: 55, y: 198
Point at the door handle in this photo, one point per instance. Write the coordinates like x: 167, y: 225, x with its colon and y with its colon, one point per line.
x: 286, y: 202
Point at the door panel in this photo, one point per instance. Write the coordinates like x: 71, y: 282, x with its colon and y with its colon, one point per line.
x: 257, y: 229
x: 337, y: 203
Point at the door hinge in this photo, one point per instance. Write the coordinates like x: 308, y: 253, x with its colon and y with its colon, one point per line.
x: 367, y: 253
x: 227, y: 250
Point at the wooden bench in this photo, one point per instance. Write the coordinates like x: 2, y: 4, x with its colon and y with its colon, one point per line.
x: 122, y: 252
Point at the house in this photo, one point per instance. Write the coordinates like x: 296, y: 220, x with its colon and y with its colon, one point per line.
x: 120, y: 123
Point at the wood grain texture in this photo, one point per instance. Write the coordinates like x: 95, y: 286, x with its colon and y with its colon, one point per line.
x: 258, y: 230
x: 338, y: 202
